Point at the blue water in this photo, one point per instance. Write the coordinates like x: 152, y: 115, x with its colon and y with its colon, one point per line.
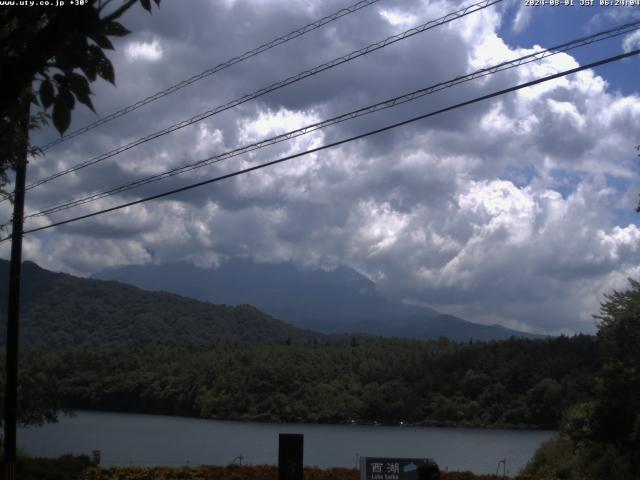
x: 146, y: 440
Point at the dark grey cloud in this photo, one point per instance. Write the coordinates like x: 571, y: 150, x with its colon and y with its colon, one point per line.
x: 503, y: 211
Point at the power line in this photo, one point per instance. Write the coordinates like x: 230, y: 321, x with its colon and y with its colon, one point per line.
x: 533, y: 57
x: 335, y: 144
x: 275, y: 86
x: 222, y: 66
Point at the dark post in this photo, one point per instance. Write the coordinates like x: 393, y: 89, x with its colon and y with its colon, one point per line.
x: 11, y: 387
x: 290, y: 456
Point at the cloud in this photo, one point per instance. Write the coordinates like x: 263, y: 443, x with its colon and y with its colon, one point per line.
x: 631, y: 41
x: 148, y: 51
x: 397, y: 18
x: 512, y: 211
x: 522, y: 18
x: 611, y: 16
x: 524, y: 245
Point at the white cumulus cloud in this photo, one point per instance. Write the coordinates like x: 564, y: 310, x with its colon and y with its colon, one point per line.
x: 149, y: 51
x: 517, y: 211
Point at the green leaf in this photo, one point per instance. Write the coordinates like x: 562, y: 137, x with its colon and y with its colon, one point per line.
x: 46, y: 93
x: 102, y: 41
x: 99, y: 64
x: 60, y: 78
x: 115, y: 29
x: 80, y: 88
x: 67, y: 97
x: 78, y: 83
x: 105, y: 70
x: 88, y: 65
x: 70, y: 56
x: 146, y: 4
x: 85, y: 99
x: 89, y: 71
x: 61, y: 114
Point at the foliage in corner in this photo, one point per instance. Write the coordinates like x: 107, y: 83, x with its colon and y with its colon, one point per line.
x: 616, y: 418
x: 600, y: 438
x: 49, y: 57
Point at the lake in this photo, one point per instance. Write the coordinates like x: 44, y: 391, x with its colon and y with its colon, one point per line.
x: 147, y: 440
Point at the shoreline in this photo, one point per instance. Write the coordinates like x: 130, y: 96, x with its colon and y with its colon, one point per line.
x: 442, y: 425
x: 68, y: 466
x: 149, y: 439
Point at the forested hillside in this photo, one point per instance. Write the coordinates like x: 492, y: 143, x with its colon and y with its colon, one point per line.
x: 61, y: 311
x: 515, y: 383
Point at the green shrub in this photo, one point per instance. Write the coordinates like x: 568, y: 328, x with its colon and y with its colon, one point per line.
x: 554, y: 458
x: 67, y: 467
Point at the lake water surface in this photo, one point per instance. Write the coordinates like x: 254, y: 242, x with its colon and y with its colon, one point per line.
x: 131, y: 439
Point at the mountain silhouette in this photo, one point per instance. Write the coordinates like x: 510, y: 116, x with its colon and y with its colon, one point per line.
x: 338, y: 300
x: 60, y: 311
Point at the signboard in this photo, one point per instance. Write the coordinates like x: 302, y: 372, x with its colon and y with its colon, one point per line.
x: 290, y: 456
x: 381, y: 468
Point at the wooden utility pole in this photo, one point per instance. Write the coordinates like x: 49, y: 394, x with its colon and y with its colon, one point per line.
x: 11, y: 387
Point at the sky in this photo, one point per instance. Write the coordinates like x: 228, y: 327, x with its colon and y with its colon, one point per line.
x: 518, y: 210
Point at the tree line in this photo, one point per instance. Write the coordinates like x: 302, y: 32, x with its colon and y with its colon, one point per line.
x: 587, y: 386
x: 515, y: 383
x: 600, y: 436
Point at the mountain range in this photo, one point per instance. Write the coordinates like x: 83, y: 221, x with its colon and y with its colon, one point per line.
x: 183, y: 304
x: 328, y: 301
x: 60, y: 311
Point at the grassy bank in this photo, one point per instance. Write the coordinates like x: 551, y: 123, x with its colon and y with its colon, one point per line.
x: 257, y: 472
x: 80, y: 468
x: 66, y: 467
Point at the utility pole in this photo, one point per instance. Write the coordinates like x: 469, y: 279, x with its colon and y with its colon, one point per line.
x: 11, y: 387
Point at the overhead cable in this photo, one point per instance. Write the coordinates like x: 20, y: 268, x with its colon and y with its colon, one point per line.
x: 334, y: 144
x: 532, y: 57
x: 222, y: 66
x: 275, y: 86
